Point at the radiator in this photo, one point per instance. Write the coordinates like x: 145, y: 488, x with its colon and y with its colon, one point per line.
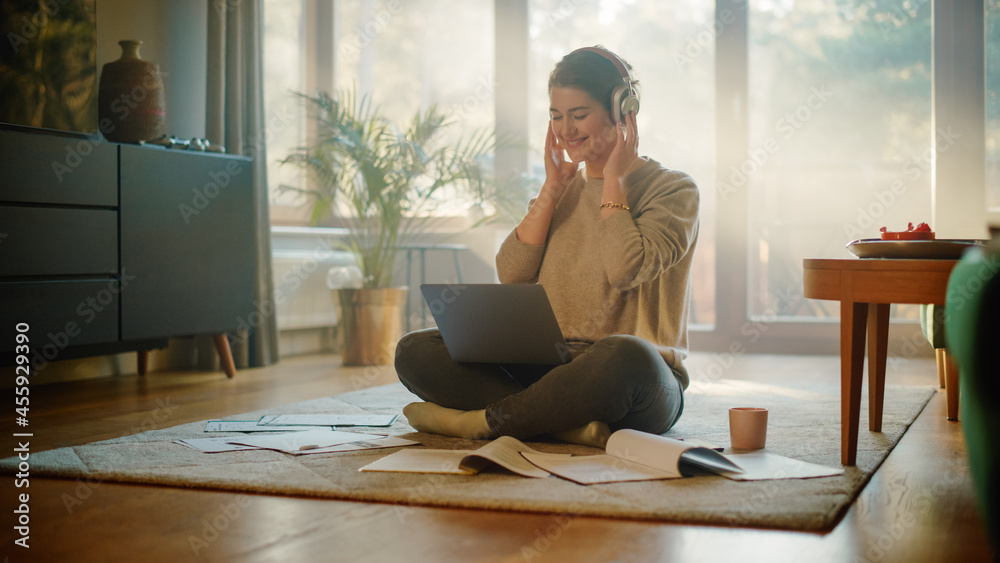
x: 302, y: 299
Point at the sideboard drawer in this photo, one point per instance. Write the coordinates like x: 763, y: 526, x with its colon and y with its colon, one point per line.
x: 60, y: 313
x: 41, y: 241
x: 58, y: 169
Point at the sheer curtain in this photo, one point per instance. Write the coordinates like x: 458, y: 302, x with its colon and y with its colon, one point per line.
x: 235, y: 117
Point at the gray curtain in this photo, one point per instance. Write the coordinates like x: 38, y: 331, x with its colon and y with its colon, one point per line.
x: 235, y: 117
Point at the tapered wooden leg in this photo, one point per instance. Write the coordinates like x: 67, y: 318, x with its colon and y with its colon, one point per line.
x: 853, y: 317
x: 878, y: 342
x: 939, y: 355
x: 142, y: 360
x: 225, y: 355
x: 951, y: 385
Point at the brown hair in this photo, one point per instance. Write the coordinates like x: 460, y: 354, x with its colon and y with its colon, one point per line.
x: 590, y: 72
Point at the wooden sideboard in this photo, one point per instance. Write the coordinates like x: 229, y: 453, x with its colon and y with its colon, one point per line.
x: 108, y: 248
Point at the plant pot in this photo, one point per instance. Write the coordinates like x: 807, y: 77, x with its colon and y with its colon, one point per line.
x: 370, y: 324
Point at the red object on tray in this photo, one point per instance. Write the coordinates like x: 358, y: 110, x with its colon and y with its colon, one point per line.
x: 921, y: 232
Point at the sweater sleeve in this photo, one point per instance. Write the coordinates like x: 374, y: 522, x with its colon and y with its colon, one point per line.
x: 637, y: 247
x: 518, y: 262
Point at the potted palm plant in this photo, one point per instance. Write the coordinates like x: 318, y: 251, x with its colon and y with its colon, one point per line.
x: 381, y: 182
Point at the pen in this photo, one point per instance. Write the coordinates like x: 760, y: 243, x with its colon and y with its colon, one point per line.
x: 309, y: 447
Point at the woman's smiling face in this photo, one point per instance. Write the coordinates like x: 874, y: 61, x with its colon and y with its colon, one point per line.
x: 581, y: 125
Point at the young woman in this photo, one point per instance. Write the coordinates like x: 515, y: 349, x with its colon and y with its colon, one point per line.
x: 612, y: 244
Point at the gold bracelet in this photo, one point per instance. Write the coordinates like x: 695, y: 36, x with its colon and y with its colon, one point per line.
x: 615, y: 205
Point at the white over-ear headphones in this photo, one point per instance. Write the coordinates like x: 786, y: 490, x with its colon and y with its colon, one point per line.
x: 624, y: 98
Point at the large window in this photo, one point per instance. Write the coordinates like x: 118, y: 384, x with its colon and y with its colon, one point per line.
x: 840, y: 138
x: 806, y: 123
x: 993, y: 105
x: 284, y: 73
x: 404, y: 56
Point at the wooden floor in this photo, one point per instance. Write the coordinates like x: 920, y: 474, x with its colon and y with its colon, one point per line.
x: 918, y: 506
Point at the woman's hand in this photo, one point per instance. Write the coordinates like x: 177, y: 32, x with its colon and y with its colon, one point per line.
x: 625, y: 156
x: 534, y: 228
x: 558, y: 170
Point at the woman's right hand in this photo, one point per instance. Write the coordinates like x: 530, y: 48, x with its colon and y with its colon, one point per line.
x: 558, y: 170
x: 534, y: 228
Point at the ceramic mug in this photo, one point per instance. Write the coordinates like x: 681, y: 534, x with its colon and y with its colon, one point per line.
x: 747, y: 428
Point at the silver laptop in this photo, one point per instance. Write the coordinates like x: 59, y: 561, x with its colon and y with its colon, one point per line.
x: 497, y: 323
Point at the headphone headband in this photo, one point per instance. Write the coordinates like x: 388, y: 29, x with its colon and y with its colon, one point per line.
x: 619, y: 64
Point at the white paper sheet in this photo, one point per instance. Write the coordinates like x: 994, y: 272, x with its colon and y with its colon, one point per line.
x: 504, y: 451
x: 213, y: 445
x: 376, y: 443
x: 291, y: 442
x: 593, y: 469
x: 246, y: 426
x: 329, y: 420
x: 422, y: 461
x: 760, y: 466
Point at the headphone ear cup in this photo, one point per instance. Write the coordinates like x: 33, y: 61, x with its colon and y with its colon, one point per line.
x: 630, y: 104
x: 617, y: 103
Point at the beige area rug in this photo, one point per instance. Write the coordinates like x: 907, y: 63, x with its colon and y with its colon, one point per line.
x: 804, y: 424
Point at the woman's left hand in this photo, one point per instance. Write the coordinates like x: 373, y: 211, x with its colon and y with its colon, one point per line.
x: 625, y: 156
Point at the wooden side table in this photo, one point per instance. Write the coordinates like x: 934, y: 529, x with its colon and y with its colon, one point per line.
x: 865, y: 289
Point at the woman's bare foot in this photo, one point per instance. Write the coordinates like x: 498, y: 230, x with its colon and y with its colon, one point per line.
x: 433, y: 418
x: 593, y: 433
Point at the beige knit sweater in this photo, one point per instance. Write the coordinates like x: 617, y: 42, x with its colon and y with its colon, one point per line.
x: 627, y: 274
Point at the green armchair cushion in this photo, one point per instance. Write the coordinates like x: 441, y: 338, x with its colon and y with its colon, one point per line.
x: 973, y: 328
x: 932, y: 324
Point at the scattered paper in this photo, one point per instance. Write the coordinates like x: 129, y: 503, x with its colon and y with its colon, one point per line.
x: 504, y: 451
x: 423, y: 461
x: 298, y: 444
x: 760, y: 466
x: 213, y: 445
x: 246, y: 426
x: 593, y: 469
x: 378, y: 442
x: 291, y: 442
x: 329, y: 419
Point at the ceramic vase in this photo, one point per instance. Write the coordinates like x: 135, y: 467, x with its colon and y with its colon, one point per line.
x: 130, y: 101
